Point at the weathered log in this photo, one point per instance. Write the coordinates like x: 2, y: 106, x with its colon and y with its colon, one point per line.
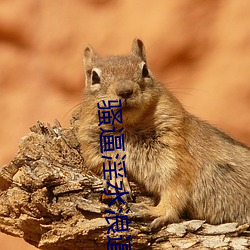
x: 50, y: 199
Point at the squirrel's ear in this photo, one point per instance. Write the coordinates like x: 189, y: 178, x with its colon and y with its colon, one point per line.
x: 138, y: 49
x: 89, y: 57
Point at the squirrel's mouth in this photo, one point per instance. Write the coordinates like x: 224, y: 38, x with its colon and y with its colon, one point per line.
x: 127, y: 102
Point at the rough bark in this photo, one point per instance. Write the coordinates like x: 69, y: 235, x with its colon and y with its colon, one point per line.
x: 50, y: 198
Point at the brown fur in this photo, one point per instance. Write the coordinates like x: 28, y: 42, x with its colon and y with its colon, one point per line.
x: 190, y: 165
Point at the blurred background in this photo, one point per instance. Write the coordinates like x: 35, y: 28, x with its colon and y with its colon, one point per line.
x: 199, y: 49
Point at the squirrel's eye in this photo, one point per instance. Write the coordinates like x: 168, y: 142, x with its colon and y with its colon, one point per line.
x: 145, y: 72
x: 95, y: 78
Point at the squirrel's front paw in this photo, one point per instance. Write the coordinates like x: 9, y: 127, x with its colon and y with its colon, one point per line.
x: 138, y: 207
x: 158, y: 223
x: 142, y: 211
x: 147, y: 213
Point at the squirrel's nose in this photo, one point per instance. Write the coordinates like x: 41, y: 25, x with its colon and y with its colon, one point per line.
x: 124, y: 93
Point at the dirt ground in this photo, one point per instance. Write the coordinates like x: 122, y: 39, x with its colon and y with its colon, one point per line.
x: 200, y: 49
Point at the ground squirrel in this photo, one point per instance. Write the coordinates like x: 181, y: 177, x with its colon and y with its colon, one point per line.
x: 192, y: 167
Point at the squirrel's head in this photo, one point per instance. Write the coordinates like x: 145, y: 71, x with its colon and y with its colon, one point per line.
x: 120, y: 77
